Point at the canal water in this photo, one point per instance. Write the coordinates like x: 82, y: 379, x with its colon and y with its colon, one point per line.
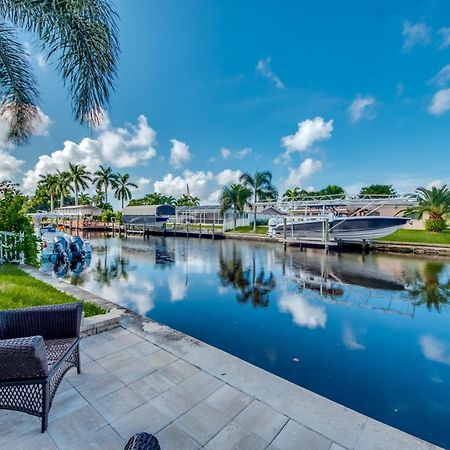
x: 371, y: 332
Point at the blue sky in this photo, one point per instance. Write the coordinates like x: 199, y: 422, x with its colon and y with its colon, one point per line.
x: 347, y: 93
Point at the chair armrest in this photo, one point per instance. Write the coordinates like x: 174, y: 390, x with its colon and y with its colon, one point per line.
x: 50, y: 322
x: 23, y: 358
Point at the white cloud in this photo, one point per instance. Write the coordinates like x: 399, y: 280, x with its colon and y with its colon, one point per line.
x: 241, y: 154
x: 349, y: 339
x: 415, y: 34
x: 309, y: 131
x: 264, y: 69
x: 442, y: 77
x: 179, y: 153
x: 225, y: 153
x: 303, y: 313
x: 440, y: 103
x: 35, y: 56
x: 120, y: 147
x: 361, y: 108
x: 228, y: 176
x: 199, y: 184
x: 9, y: 166
x: 177, y: 287
x: 307, y: 168
x: 143, y: 183
x: 435, y: 183
x: 434, y: 349
x: 444, y: 33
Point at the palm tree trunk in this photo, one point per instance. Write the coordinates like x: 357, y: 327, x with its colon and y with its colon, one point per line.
x: 76, y: 194
x: 106, y: 193
x: 61, y: 200
x: 254, y: 213
x: 51, y: 202
x: 122, y: 201
x: 234, y: 218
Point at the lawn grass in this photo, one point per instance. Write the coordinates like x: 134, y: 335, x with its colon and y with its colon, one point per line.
x: 418, y: 236
x: 260, y: 229
x: 20, y: 290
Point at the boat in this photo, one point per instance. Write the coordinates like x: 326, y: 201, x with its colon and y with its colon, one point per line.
x: 336, y: 228
x: 57, y: 245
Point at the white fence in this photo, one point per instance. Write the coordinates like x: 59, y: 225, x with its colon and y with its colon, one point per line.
x: 10, y: 244
x: 228, y: 222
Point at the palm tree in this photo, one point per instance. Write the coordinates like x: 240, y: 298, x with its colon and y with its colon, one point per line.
x: 103, y: 179
x: 64, y: 187
x: 188, y: 200
x: 261, y: 187
x: 236, y: 197
x: 436, y: 203
x: 292, y: 195
x: 79, y: 177
x: 84, y: 199
x: 378, y: 190
x: 122, y: 187
x: 50, y: 182
x: 81, y: 35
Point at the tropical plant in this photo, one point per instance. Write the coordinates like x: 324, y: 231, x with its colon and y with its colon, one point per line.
x: 154, y: 198
x: 292, y: 195
x: 236, y: 197
x: 103, y: 179
x: 378, y: 190
x: 50, y: 183
x: 187, y: 200
x: 122, y: 188
x: 79, y: 177
x: 434, y: 202
x: 332, y: 190
x: 261, y: 188
x: 64, y: 187
x: 84, y: 199
x: 81, y: 35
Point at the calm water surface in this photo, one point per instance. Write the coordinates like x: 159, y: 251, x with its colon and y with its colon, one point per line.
x: 370, y: 332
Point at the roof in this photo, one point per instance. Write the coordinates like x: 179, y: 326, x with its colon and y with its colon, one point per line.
x: 271, y: 211
x: 149, y: 210
x: 200, y: 208
x: 80, y: 210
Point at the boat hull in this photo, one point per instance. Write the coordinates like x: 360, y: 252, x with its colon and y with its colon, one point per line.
x: 351, y: 229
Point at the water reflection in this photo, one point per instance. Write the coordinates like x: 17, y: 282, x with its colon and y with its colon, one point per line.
x: 251, y: 284
x: 431, y: 288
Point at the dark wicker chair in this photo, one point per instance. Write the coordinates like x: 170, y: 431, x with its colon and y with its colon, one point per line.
x: 37, y: 347
x: 143, y: 441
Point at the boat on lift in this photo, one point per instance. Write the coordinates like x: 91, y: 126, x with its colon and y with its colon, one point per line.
x: 336, y: 228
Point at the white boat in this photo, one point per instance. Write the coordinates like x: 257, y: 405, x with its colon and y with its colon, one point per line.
x: 335, y: 228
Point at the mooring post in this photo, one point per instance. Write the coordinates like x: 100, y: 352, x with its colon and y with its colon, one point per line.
x: 284, y: 231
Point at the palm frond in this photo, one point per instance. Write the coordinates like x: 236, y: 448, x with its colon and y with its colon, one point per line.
x: 83, y: 36
x: 18, y: 88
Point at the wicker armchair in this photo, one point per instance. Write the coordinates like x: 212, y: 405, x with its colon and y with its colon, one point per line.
x: 37, y: 347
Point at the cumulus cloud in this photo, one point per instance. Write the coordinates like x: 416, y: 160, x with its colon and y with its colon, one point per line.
x: 440, y: 103
x: 444, y: 34
x: 361, y: 108
x: 179, y: 153
x: 434, y: 349
x: 228, y: 176
x: 177, y: 287
x: 225, y: 153
x: 241, y: 154
x: 435, y: 183
x: 349, y: 339
x: 442, y: 77
x: 415, y: 34
x: 35, y: 56
x: 309, y: 131
x: 143, y: 183
x: 303, y: 313
x: 297, y: 176
x: 120, y: 147
x: 9, y: 166
x: 264, y: 69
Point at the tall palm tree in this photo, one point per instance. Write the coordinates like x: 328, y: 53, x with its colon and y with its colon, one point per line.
x: 84, y: 198
x: 51, y: 184
x: 103, y: 179
x: 64, y: 187
x: 79, y: 177
x: 292, y: 195
x: 236, y: 197
x: 261, y: 187
x: 122, y: 187
x: 436, y: 203
x: 80, y: 35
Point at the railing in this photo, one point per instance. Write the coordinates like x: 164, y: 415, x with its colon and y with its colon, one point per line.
x: 10, y: 247
x: 228, y: 223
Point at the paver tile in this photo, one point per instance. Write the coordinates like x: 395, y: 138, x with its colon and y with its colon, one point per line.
x: 174, y: 402
x: 118, y: 403
x: 104, y: 439
x: 262, y: 420
x: 178, y: 371
x: 202, y: 422
x: 34, y: 440
x: 173, y: 438
x: 229, y: 401
x: 16, y: 424
x: 66, y: 402
x: 143, y: 348
x: 236, y: 437
x: 89, y: 372
x: 99, y: 387
x: 116, y: 360
x: 295, y: 436
x: 151, y: 385
x: 201, y: 385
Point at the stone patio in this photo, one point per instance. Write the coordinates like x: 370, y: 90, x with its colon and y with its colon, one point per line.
x: 144, y: 376
x: 191, y: 396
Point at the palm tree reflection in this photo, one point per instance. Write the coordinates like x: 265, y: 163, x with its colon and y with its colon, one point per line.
x: 429, y: 290
x: 251, y: 284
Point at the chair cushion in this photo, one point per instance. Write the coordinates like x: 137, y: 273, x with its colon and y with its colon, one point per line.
x: 56, y: 348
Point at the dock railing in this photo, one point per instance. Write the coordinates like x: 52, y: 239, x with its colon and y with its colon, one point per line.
x: 11, y: 247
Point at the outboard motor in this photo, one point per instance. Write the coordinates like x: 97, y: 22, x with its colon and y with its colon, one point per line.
x: 273, y: 222
x: 76, y: 247
x: 60, y: 246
